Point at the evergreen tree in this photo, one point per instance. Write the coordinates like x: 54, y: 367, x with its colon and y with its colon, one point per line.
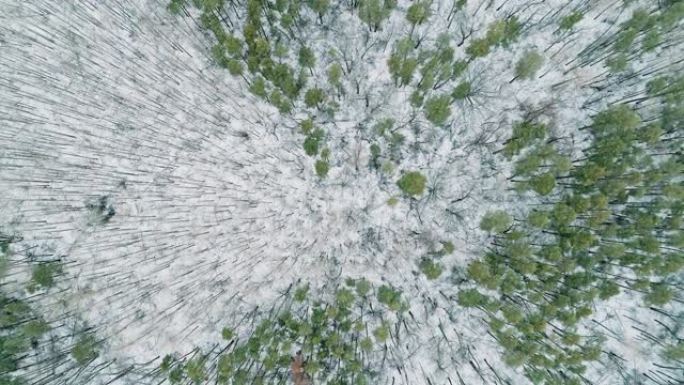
x: 471, y: 298
x: 659, y: 294
x: 480, y: 273
x: 307, y: 58
x: 412, y: 183
x: 617, y: 63
x: 528, y: 65
x: 335, y: 75
x: 543, y: 184
x: 401, y: 64
x: 461, y: 91
x: 373, y: 12
x: 235, y: 67
x: 524, y: 134
x: 176, y: 6
x: 43, y: 275
x: 320, y: 7
x: 418, y: 13
x: 430, y: 268
x: 437, y: 109
x: 85, y: 349
x: 478, y: 48
x: 258, y: 87
x: 313, y: 141
x: 322, y: 167
x: 313, y: 97
x: 496, y: 221
x: 569, y: 21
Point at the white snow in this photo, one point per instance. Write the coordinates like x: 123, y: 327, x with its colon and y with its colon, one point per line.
x: 217, y: 206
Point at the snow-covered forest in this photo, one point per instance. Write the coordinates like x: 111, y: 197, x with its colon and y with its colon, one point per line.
x: 344, y: 192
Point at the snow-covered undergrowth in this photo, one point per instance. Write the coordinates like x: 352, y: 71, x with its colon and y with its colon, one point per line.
x: 155, y: 199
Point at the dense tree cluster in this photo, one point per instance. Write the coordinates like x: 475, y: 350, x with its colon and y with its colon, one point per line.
x: 608, y: 221
x: 606, y: 217
x: 263, y: 57
x: 25, y: 333
x: 611, y: 223
x: 338, y: 340
x: 429, y: 109
x: 21, y: 327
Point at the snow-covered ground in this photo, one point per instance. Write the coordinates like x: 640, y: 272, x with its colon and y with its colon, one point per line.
x: 217, y: 208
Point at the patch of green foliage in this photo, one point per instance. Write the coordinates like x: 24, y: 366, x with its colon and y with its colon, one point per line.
x: 313, y: 141
x: 22, y: 327
x: 336, y: 338
x: 595, y: 228
x: 43, y: 275
x: 322, y: 167
x: 412, y: 183
x: 86, y: 349
x: 569, y: 21
x: 437, y: 109
x: 430, y: 268
x: 496, y: 221
x: 528, y: 65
